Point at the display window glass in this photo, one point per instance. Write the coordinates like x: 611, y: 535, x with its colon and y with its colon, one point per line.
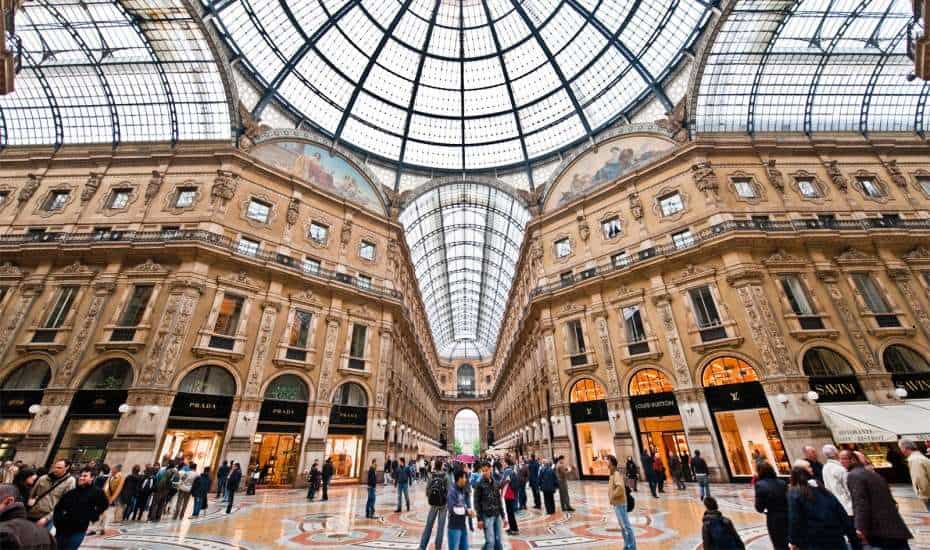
x: 728, y: 370
x: 86, y: 439
x: 587, y: 390
x: 663, y: 435
x: 749, y: 436
x: 276, y: 456
x: 200, y: 447
x: 346, y: 453
x: 595, y: 444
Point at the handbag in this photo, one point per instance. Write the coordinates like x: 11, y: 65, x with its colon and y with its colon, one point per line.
x: 630, y: 502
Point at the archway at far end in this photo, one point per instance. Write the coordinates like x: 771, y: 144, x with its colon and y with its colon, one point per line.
x: 466, y: 433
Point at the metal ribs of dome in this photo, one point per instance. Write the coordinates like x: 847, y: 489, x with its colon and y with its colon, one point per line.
x: 463, y: 85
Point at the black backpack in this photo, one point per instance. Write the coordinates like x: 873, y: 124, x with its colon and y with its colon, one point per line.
x: 437, y: 490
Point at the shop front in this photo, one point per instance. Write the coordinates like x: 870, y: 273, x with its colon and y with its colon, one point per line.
x: 909, y: 370
x: 22, y: 389
x: 199, y: 416
x: 276, y: 445
x: 657, y: 419
x: 94, y: 414
x: 745, y: 427
x: 345, y: 441
x: 594, y: 438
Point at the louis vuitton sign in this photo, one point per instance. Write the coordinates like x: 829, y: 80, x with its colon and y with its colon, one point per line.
x: 733, y: 397
x: 656, y: 404
x: 589, y: 411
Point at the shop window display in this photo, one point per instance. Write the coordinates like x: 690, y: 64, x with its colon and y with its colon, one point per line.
x: 594, y: 439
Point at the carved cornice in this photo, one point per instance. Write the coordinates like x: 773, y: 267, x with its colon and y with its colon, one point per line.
x: 745, y: 275
x: 783, y: 258
x: 920, y: 254
x: 692, y: 273
x: 852, y: 256
x: 10, y: 271
x: 240, y: 280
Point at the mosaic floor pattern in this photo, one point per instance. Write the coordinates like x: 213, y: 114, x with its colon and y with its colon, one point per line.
x: 285, y: 519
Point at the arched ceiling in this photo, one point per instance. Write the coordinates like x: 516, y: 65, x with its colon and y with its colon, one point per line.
x: 453, y: 85
x: 112, y: 71
x: 811, y: 66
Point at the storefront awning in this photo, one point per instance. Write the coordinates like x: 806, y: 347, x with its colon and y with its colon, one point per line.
x: 867, y: 423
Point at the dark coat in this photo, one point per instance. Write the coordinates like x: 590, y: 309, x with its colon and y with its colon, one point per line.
x: 817, y: 523
x: 316, y: 477
x: 78, y: 508
x: 372, y: 478
x: 874, y: 509
x: 718, y: 532
x: 17, y: 532
x: 328, y: 471
x: 235, y: 477
x: 533, y: 467
x: 487, y: 498
x: 548, y: 480
x: 772, y: 500
x: 130, y: 488
x: 632, y: 470
x: 201, y: 485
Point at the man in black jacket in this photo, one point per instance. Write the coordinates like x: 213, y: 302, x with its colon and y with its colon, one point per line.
x: 533, y: 469
x: 701, y: 474
x: 232, y: 485
x: 221, y: 474
x: 328, y: 471
x: 488, y: 508
x: 77, y: 509
x: 875, y: 511
x: 372, y: 488
x: 17, y: 532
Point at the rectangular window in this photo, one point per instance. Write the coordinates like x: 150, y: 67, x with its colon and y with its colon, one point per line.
x: 247, y: 247
x: 809, y: 188
x: 300, y: 330
x: 924, y: 183
x: 797, y: 295
x: 311, y: 265
x: 364, y: 281
x: 318, y: 232
x: 567, y: 278
x: 563, y: 247
x: 56, y: 317
x: 620, y: 259
x: 890, y: 220
x: 671, y: 204
x: 870, y: 292
x: 611, y: 227
x: 576, y: 346
x: 56, y: 201
x: 36, y: 233
x: 357, y: 347
x: 827, y: 221
x: 4, y: 195
x: 119, y: 198
x: 132, y: 315
x: 745, y: 188
x: 762, y: 222
x: 227, y: 321
x: 170, y: 231
x: 632, y: 318
x: 683, y: 239
x: 705, y: 310
x: 870, y: 188
x: 185, y: 197
x: 367, y: 250
x: 258, y: 211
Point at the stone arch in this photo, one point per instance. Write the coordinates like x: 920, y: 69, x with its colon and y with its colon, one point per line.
x: 20, y: 366
x: 697, y: 372
x: 80, y: 381
x: 829, y: 354
x: 364, y: 388
x: 627, y: 378
x: 847, y: 354
x: 921, y: 351
x: 32, y: 356
x: 179, y: 376
x: 296, y: 372
x: 707, y: 363
x: 88, y: 366
x: 574, y: 380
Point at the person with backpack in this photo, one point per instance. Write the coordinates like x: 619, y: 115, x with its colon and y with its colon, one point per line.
x: 221, y: 474
x: 717, y: 531
x: 508, y: 487
x: 232, y: 485
x: 185, y: 486
x: 616, y: 492
x: 372, y: 483
x: 47, y: 491
x: 533, y: 477
x: 199, y: 491
x: 458, y: 510
x: 403, y: 484
x: 162, y: 491
x: 437, y: 491
x: 328, y: 471
x: 816, y: 519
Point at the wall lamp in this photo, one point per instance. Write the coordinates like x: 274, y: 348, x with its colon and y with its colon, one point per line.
x: 812, y: 396
x: 125, y: 408
x: 782, y: 398
x: 36, y: 410
x: 899, y: 392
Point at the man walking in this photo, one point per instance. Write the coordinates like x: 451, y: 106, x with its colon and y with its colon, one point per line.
x: 563, y: 470
x: 328, y: 471
x: 810, y: 455
x: 875, y: 512
x: 701, y: 474
x: 221, y: 474
x: 47, y: 491
x: 533, y: 474
x: 488, y: 508
x: 548, y: 483
x: 199, y: 491
x: 675, y: 467
x: 919, y: 467
x: 437, y: 492
x: 508, y: 486
x: 403, y: 484
x: 372, y: 483
x: 185, y: 487
x: 232, y: 485
x: 650, y: 473
x: 76, y: 510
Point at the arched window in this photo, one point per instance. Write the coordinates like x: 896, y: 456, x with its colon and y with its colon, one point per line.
x: 288, y: 387
x: 904, y: 360
x: 32, y: 375
x: 728, y: 370
x: 466, y: 379
x: 587, y: 390
x: 649, y: 381
x: 112, y: 374
x: 825, y: 362
x: 210, y: 380
x: 351, y: 394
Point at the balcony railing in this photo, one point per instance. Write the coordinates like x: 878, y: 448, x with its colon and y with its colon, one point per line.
x: 200, y: 236
x: 732, y: 226
x: 466, y: 394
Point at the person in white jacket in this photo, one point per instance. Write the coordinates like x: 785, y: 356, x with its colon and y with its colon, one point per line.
x: 834, y: 478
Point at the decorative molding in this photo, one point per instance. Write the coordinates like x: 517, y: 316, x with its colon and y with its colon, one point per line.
x: 860, y: 175
x: 169, y: 340
x: 320, y: 220
x: 153, y: 187
x: 306, y: 297
x: 668, y: 190
x: 607, y: 216
x: 692, y: 272
x: 852, y: 256
x: 82, y: 336
x: 919, y: 254
x: 584, y: 230
x: 805, y: 175
x: 836, y: 175
x: 850, y: 320
x: 920, y: 173
x: 636, y: 206
x: 224, y: 188
x: 705, y: 179
x: 897, y: 176
x: 8, y: 270
x: 76, y: 269
x: 673, y: 341
x: 904, y: 285
x: 29, y: 189
x: 774, y: 175
x: 613, y: 385
x: 783, y: 258
x: 329, y: 359
x: 39, y: 209
x: 103, y: 207
x: 743, y: 275
x: 764, y: 330
x: 240, y: 280
x: 171, y: 199
x: 260, y: 197
x: 148, y: 267
x: 90, y: 188
x: 293, y: 211
x: 759, y: 189
x: 345, y: 233
x: 571, y: 246
x: 13, y: 319
x: 259, y: 355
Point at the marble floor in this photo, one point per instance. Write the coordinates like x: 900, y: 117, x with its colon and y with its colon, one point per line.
x: 281, y: 518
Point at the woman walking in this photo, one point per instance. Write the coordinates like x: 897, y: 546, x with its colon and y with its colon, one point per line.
x: 816, y: 519
x: 632, y: 473
x: 772, y: 500
x: 616, y: 491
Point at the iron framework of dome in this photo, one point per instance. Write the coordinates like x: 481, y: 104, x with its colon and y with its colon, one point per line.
x: 453, y: 85
x: 112, y: 71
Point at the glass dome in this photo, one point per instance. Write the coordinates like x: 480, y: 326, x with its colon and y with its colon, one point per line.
x: 458, y: 84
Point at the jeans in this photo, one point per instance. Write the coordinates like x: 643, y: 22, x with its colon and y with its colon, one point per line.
x: 199, y: 502
x: 623, y: 519
x: 229, y: 500
x: 221, y: 487
x: 492, y: 533
x: 535, y: 488
x: 511, y: 506
x: 325, y: 489
x: 69, y: 541
x: 370, y: 503
x: 653, y: 485
x: 434, y: 511
x: 403, y: 490
x: 458, y: 539
x: 521, y: 497
x: 703, y: 484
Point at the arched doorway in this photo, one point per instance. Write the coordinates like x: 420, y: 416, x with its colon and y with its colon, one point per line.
x: 909, y: 370
x: 658, y: 421
x: 20, y: 390
x: 465, y: 380
x: 740, y: 411
x: 345, y: 440
x: 467, y: 430
x: 199, y: 416
x: 830, y: 375
x: 94, y: 413
x: 594, y: 438
x: 276, y: 445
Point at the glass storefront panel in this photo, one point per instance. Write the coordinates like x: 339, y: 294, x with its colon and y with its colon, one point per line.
x: 595, y: 444
x: 86, y: 439
x: 746, y: 434
x: 663, y: 435
x: 202, y: 447
x: 346, y: 452
x: 276, y: 455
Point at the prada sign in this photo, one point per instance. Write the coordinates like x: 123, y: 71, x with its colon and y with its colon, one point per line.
x: 98, y: 402
x: 16, y: 403
x: 656, y: 404
x: 345, y: 415
x: 833, y: 389
x: 589, y: 411
x: 916, y: 384
x: 282, y: 411
x: 732, y: 397
x: 196, y: 405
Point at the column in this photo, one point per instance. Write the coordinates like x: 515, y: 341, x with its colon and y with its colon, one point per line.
x: 318, y: 423
x: 29, y: 290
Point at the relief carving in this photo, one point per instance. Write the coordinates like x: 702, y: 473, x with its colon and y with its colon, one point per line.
x: 764, y: 330
x: 14, y: 319
x: 636, y: 206
x: 705, y: 179
x: 679, y: 363
x: 901, y: 277
x: 29, y: 189
x: 153, y: 186
x: 346, y: 234
x: 329, y: 358
x: 584, y: 230
x: 293, y: 211
x: 90, y: 188
x: 836, y: 176
x: 604, y: 334
x: 257, y: 366
x: 224, y: 188
x: 775, y: 177
x: 851, y: 321
x: 82, y: 337
x: 897, y: 177
x: 175, y: 325
x: 385, y: 366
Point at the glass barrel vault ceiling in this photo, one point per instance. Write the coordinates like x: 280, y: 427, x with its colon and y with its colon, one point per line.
x: 459, y: 84
x: 464, y: 241
x: 112, y: 71
x: 812, y: 66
